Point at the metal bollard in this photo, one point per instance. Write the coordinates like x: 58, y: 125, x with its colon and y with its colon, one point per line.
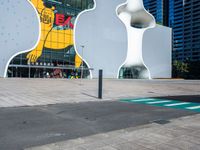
x: 100, y: 84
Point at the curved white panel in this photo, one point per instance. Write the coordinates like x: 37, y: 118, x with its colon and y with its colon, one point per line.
x: 104, y: 38
x: 19, y: 30
x: 109, y: 45
x: 137, y: 20
x: 157, y: 51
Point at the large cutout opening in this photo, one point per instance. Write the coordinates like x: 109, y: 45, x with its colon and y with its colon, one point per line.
x: 137, y: 20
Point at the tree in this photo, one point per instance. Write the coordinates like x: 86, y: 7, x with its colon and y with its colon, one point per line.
x: 180, y: 69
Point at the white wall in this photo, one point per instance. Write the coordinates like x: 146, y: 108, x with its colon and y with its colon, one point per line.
x: 104, y: 36
x: 19, y: 30
x: 106, y: 41
x: 157, y: 51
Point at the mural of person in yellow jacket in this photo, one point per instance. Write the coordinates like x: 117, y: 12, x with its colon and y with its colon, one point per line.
x: 51, y: 37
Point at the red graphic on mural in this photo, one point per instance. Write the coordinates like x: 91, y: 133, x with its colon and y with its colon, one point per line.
x: 60, y: 20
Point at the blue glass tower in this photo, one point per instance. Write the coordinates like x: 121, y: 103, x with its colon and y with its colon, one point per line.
x: 183, y: 16
x: 176, y: 22
x: 191, y: 33
x: 159, y: 9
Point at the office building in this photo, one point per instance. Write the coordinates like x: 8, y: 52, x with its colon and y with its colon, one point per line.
x: 183, y: 16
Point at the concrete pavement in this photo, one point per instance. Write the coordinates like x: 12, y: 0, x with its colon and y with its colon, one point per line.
x: 32, y: 92
x: 178, y: 134
x: 52, y: 114
x: 24, y: 127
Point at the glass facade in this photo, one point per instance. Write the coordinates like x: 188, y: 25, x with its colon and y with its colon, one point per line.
x: 191, y: 30
x: 157, y: 9
x: 176, y: 21
x: 54, y: 55
x: 183, y: 16
x: 185, y: 21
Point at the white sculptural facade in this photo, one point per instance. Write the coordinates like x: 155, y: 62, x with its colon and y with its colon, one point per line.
x: 104, y: 36
x: 115, y: 34
x: 141, y: 31
x: 137, y: 20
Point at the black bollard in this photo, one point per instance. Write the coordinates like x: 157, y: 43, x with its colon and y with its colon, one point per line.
x: 100, y: 84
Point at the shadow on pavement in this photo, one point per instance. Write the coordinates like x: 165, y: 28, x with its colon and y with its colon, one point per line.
x: 90, y: 95
x: 24, y: 127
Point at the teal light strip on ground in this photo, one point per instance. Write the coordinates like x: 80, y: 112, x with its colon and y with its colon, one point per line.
x: 169, y: 103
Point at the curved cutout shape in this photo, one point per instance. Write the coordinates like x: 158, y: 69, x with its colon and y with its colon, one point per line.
x: 17, y: 17
x: 103, y: 36
x: 137, y: 20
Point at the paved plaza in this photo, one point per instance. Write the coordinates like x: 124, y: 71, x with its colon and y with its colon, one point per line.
x: 58, y: 114
x: 31, y: 92
x: 179, y: 134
